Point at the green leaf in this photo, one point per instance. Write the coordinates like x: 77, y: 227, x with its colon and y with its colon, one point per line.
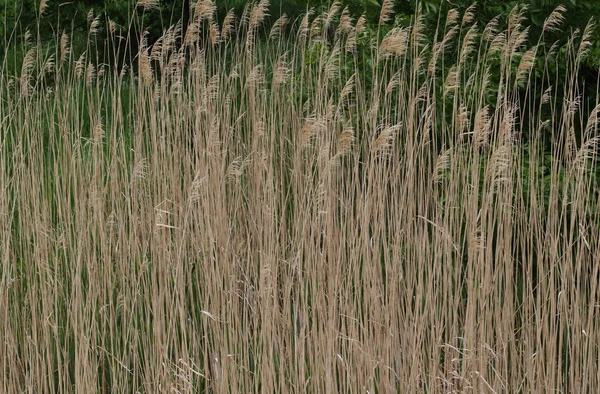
x: 372, y: 2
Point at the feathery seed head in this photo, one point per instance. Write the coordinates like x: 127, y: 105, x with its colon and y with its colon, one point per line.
x: 346, y: 21
x: 278, y: 27
x: 387, y: 9
x: 525, y: 65
x: 43, y: 7
x: 145, y: 66
x: 90, y: 16
x: 452, y: 17
x: 281, y: 72
x: 385, y: 140
x: 498, y: 169
x: 80, y: 65
x: 204, y: 10
x: 330, y: 15
x: 235, y: 170
x: 312, y: 126
x: 395, y: 43
x: 26, y: 71
x: 256, y: 77
x: 112, y: 26
x: 468, y: 45
x: 304, y: 27
x: 345, y: 140
x: 482, y: 128
x: 228, y: 25
x: 27, y: 37
x: 148, y: 5
x: 442, y: 164
x: 351, y: 43
x: 547, y: 95
x: 586, y: 42
x: 95, y: 26
x: 65, y: 50
x: 452, y: 80
x: 192, y: 34
x: 214, y: 34
x: 316, y: 29
x: 588, y: 151
x: 469, y: 14
x: 554, y: 20
x: 259, y: 13
x: 361, y: 24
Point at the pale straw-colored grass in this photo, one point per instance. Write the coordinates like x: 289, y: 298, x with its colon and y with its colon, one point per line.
x: 252, y: 213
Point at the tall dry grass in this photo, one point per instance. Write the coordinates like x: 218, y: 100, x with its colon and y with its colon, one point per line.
x: 249, y: 212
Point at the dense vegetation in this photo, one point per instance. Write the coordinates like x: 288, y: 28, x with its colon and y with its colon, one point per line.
x: 378, y: 197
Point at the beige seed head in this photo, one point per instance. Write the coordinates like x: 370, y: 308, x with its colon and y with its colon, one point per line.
x: 387, y: 9
x: 555, y: 19
x: 204, y: 10
x: 259, y: 13
x: 148, y: 5
x: 278, y: 27
x: 346, y: 140
x: 361, y: 24
x: 43, y: 7
x: 228, y: 25
x: 65, y: 50
x: 395, y: 43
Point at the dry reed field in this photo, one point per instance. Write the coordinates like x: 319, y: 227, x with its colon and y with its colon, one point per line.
x: 243, y: 210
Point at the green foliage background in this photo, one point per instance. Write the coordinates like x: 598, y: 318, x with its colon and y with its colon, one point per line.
x: 19, y: 16
x: 578, y: 12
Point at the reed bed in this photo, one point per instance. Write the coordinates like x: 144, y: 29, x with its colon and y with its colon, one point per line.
x: 252, y: 209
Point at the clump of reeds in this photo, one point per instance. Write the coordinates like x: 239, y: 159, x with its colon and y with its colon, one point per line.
x: 249, y: 211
